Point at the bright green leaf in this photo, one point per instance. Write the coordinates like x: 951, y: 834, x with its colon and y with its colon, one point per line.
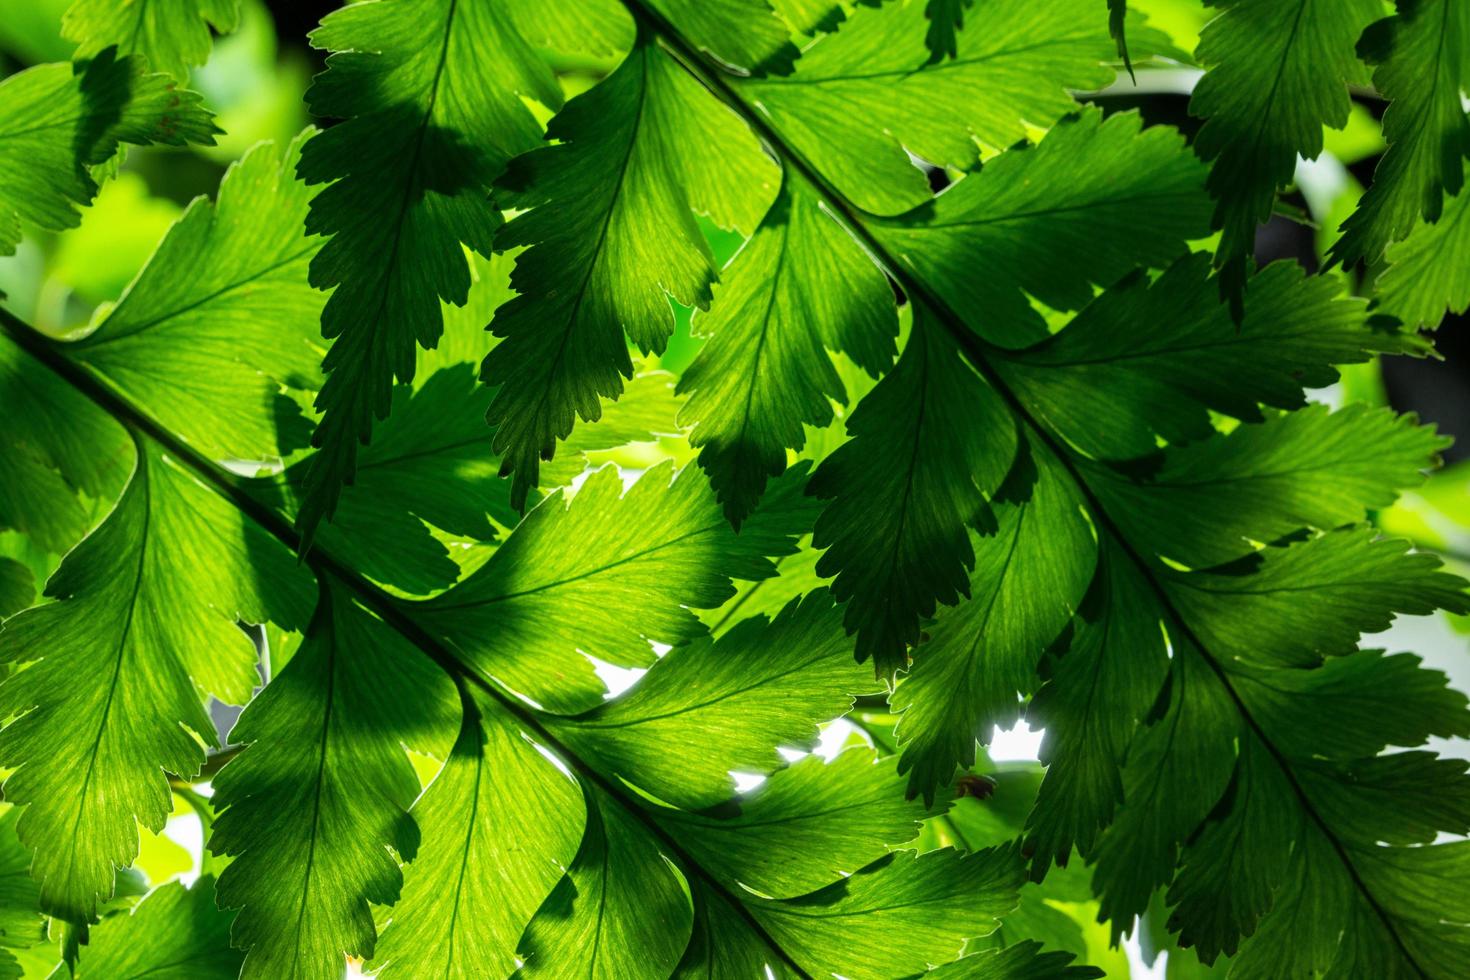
x: 222, y: 316
x: 603, y: 575
x: 1051, y: 222
x: 612, y: 238
x: 315, y: 809
x: 142, y: 630
x: 56, y: 121
x: 800, y: 287
x: 172, y: 34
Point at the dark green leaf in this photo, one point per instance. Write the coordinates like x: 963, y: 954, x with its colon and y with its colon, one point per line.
x: 430, y: 96
x: 1209, y: 502
x: 1102, y: 682
x: 927, y: 445
x: 1030, y: 574
x: 1278, y: 72
x: 1295, y: 605
x: 1429, y: 271
x: 1108, y: 386
x: 1423, y: 63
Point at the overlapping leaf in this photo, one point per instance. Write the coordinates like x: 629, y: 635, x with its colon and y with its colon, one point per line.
x: 737, y: 696
x: 1052, y: 222
x: 432, y: 110
x: 835, y: 818
x: 1278, y: 73
x: 142, y: 630
x: 1109, y: 387
x: 173, y: 35
x: 1263, y: 482
x: 603, y: 575
x: 862, y: 96
x: 611, y: 238
x: 897, y: 534
x: 1213, y: 735
x: 619, y: 911
x: 744, y: 33
x: 175, y: 933
x: 57, y: 121
x: 498, y: 825
x: 1422, y: 55
x: 1030, y: 573
x: 316, y: 808
x: 765, y: 371
x: 1429, y: 271
x: 429, y: 465
x: 57, y: 445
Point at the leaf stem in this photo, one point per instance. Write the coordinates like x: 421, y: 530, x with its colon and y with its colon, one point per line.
x: 979, y: 352
x: 329, y: 569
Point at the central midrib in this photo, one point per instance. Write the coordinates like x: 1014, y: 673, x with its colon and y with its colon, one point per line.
x: 324, y: 564
x: 979, y: 353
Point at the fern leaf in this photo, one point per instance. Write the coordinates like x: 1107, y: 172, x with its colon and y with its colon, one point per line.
x: 1030, y: 574
x: 1022, y: 961
x: 1110, y: 388
x: 1427, y: 270
x: 1278, y: 73
x: 174, y: 932
x: 432, y: 110
x: 56, y: 121
x: 497, y: 826
x: 738, y: 697
x: 1422, y: 55
x: 142, y: 630
x: 765, y: 372
x: 935, y: 901
x: 835, y: 817
x: 1293, y: 606
x: 1267, y: 481
x: 611, y: 238
x: 1052, y: 222
x: 860, y: 97
x: 745, y: 33
x: 321, y: 794
x: 590, y: 924
x: 173, y: 35
x: 221, y: 316
x: 896, y: 531
x: 593, y: 576
x: 57, y: 445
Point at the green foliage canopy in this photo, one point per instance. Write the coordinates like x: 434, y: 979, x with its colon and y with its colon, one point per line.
x: 1077, y: 481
